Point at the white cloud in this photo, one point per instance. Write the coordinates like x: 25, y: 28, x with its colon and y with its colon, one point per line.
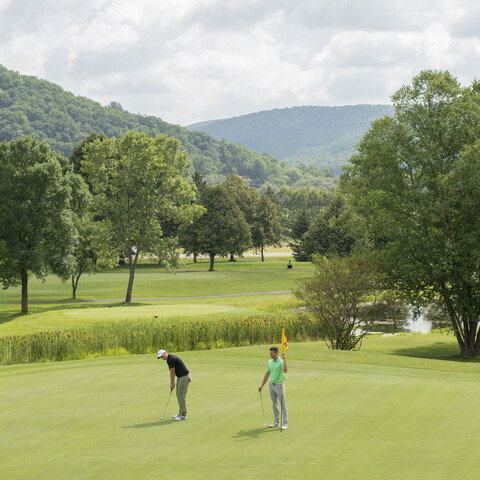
x: 192, y: 60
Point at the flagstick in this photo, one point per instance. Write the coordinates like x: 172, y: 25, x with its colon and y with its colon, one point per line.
x: 281, y: 404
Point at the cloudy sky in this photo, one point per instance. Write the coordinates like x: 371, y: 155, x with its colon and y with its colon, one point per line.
x: 192, y: 60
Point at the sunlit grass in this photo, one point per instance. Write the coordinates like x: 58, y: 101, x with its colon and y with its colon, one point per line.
x: 387, y: 411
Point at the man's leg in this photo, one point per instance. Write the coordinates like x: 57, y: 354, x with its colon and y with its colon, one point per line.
x: 274, y: 393
x: 182, y: 387
x: 284, y: 407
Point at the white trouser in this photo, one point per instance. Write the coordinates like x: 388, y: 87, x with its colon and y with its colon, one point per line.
x: 276, y: 394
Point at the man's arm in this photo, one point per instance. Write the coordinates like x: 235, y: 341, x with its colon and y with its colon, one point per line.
x: 264, y: 381
x: 172, y: 378
x: 285, y: 366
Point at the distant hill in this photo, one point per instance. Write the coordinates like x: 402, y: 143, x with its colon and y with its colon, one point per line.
x: 30, y: 106
x: 322, y: 136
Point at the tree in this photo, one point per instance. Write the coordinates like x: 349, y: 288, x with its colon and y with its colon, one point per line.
x: 138, y: 181
x: 300, y: 226
x: 187, y: 233
x: 293, y: 201
x: 343, y: 296
x: 222, y: 229
x: 325, y: 235
x: 266, y: 229
x: 415, y: 183
x: 199, y: 180
x: 247, y: 199
x: 188, y: 239
x: 93, y: 251
x: 37, y: 232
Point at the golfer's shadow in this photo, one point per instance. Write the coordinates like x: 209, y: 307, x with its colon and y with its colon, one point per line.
x: 251, y: 434
x: 160, y: 423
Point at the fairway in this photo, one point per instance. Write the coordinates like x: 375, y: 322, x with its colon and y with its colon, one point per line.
x: 234, y: 288
x: 383, y: 412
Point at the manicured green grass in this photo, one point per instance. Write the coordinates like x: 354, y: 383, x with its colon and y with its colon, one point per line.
x: 151, y: 283
x: 77, y: 315
x: 387, y: 411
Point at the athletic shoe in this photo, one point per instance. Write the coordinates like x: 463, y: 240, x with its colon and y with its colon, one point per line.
x: 284, y: 427
x: 177, y: 415
x: 178, y: 418
x: 273, y: 425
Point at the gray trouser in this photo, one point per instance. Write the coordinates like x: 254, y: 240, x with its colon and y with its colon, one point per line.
x: 182, y: 387
x: 277, y: 395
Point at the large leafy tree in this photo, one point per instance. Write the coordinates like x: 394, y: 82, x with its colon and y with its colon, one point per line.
x: 266, y: 229
x: 325, y: 235
x: 415, y: 182
x: 222, y: 230
x: 95, y: 248
x: 37, y: 232
x: 138, y: 182
x: 246, y: 198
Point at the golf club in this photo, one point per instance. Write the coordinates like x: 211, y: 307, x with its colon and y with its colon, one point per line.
x: 161, y: 418
x: 263, y: 411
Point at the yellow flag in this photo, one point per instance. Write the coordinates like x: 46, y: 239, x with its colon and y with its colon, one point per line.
x: 284, y: 341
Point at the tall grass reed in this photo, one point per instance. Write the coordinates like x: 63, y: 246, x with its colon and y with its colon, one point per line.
x: 148, y: 335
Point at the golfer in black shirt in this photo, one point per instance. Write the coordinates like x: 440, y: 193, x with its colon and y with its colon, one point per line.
x: 178, y: 369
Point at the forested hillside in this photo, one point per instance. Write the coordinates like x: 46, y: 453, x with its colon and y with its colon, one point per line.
x: 30, y: 106
x: 322, y: 136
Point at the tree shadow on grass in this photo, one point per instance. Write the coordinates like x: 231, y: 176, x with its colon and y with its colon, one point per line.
x: 251, y: 434
x: 446, y: 351
x: 9, y: 315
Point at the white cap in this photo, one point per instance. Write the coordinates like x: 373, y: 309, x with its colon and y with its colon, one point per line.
x: 160, y: 353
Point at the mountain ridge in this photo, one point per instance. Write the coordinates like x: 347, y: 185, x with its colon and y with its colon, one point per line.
x: 44, y: 110
x: 321, y: 135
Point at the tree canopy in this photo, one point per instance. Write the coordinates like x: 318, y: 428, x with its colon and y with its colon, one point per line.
x: 415, y: 185
x: 37, y: 232
x: 139, y: 182
x: 222, y: 230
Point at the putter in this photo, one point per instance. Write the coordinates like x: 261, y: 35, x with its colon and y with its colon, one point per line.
x: 263, y: 411
x: 161, y: 418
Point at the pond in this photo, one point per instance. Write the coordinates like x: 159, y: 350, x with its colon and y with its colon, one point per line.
x: 428, y: 319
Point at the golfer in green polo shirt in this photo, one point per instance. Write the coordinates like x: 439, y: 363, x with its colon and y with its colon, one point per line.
x: 276, y: 368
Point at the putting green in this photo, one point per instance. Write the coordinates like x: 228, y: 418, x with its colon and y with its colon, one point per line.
x: 382, y: 412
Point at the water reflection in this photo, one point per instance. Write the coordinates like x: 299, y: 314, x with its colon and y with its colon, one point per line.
x: 405, y: 319
x: 419, y: 324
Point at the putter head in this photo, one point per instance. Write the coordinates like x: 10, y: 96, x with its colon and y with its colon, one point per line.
x: 161, y: 418
x: 265, y: 424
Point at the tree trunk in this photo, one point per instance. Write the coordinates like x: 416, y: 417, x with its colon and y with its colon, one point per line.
x: 212, y: 260
x: 261, y: 249
x: 75, y: 285
x: 194, y: 257
x: 232, y: 258
x: 469, y: 344
x: 132, y: 265
x: 24, y: 275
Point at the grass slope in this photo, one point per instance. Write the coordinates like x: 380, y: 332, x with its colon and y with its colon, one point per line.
x: 394, y: 410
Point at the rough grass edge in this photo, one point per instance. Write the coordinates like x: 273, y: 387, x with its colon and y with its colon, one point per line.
x: 145, y: 336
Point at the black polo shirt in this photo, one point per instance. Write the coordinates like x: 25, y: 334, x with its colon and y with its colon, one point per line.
x: 175, y: 362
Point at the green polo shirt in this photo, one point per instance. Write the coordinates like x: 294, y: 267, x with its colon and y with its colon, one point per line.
x: 276, y: 370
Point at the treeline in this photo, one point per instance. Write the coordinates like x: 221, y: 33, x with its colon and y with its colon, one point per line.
x: 43, y: 110
x: 121, y: 199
